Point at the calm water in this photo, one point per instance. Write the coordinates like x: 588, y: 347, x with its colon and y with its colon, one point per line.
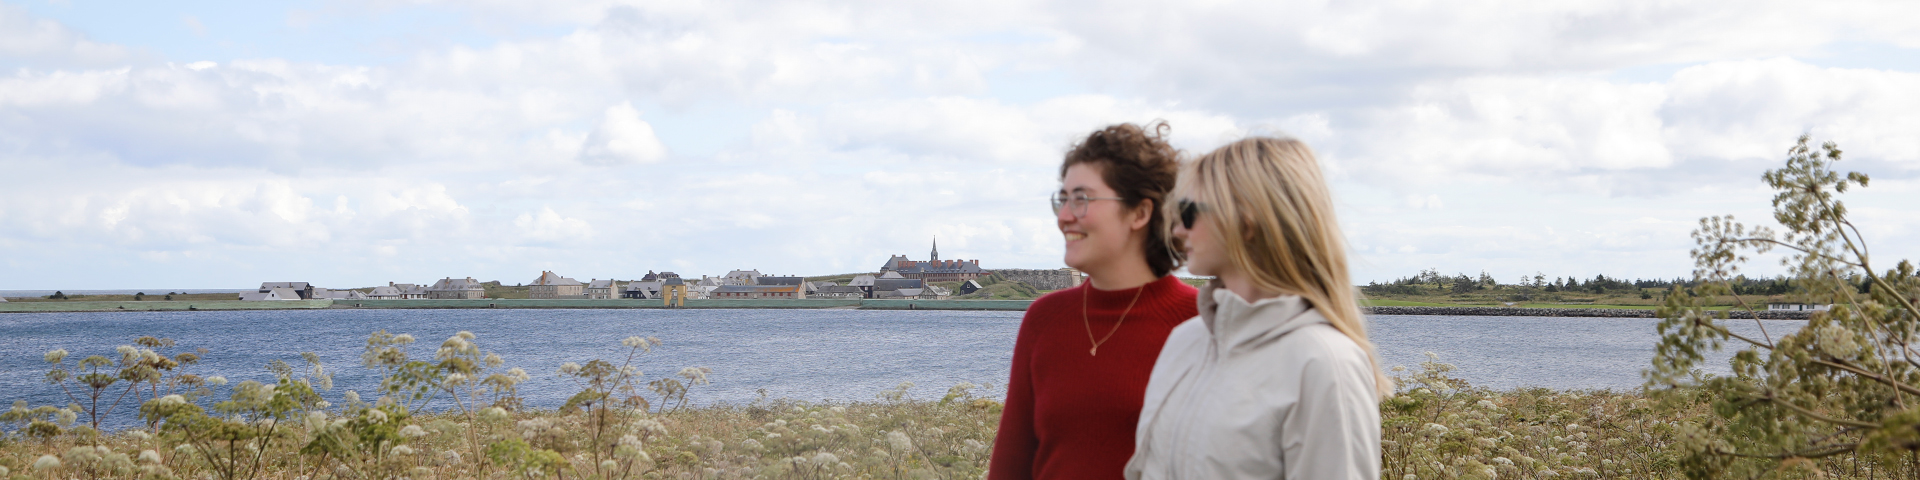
x: 800, y: 354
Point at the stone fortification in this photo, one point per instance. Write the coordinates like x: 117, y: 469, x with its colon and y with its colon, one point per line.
x: 1562, y: 312
x: 1043, y: 280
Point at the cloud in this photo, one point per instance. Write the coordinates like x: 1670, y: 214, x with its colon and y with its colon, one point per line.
x: 831, y: 135
x: 620, y: 138
x: 193, y: 24
x: 37, y: 42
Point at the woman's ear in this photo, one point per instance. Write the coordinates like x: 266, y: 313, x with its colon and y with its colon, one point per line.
x: 1142, y: 214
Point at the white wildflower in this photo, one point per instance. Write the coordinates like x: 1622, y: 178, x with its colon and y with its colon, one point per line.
x: 413, y: 431
x: 609, y: 465
x: 455, y: 379
x: 402, y: 450
x: 217, y: 380
x: 464, y: 335
x: 376, y: 415
x: 126, y: 350
x: 1436, y: 429
x: 493, y: 360
x: 825, y: 459
x: 569, y: 368
x: 402, y: 339
x: 494, y: 414
x: 1837, y: 341
x: 518, y: 374
x: 56, y: 355
x: 1546, y: 472
x: 46, y: 462
x: 173, y: 400
x: 899, y: 441
x: 352, y: 397
x: 66, y: 417
x: 1503, y: 461
x: 150, y: 456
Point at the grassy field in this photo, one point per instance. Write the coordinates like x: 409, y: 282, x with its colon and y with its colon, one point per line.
x: 1435, y: 427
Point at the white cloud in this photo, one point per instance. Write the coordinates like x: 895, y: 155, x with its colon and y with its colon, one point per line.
x: 42, y: 42
x: 620, y: 138
x: 838, y: 134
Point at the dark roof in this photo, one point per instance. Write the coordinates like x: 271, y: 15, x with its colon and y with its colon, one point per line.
x: 754, y: 288
x: 781, y: 281
x: 885, y: 284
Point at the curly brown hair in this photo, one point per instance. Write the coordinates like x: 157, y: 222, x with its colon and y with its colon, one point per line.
x: 1140, y: 165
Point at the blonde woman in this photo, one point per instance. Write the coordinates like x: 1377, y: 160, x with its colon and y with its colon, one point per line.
x: 1275, y: 378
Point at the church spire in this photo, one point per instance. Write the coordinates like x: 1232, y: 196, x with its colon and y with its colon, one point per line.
x: 936, y: 250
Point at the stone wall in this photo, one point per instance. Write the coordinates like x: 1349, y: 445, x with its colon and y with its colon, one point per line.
x: 1044, y: 280
x: 1560, y: 312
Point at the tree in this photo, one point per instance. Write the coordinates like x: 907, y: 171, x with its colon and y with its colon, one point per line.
x: 1843, y: 392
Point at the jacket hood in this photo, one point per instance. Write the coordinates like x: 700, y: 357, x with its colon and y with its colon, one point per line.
x: 1237, y: 325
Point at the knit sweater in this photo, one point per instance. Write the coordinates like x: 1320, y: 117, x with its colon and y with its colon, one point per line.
x: 1070, y: 414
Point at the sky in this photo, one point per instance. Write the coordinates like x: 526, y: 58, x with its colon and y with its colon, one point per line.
x: 352, y: 143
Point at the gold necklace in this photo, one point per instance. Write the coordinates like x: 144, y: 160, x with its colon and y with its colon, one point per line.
x: 1095, y: 351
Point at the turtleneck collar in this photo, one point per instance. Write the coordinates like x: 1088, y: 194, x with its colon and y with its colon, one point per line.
x: 1237, y: 325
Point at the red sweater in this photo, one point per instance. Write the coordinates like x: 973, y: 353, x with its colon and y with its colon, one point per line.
x: 1070, y: 414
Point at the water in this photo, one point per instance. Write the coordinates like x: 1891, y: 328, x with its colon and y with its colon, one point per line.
x: 840, y: 355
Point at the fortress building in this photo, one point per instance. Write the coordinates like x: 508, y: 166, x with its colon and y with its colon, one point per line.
x: 935, y: 269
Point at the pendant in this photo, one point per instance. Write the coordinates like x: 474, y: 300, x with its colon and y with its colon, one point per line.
x: 1095, y: 351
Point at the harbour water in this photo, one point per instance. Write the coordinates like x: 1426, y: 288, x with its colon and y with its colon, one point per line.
x: 839, y: 355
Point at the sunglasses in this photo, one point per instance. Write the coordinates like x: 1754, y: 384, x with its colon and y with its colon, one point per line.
x: 1189, y: 212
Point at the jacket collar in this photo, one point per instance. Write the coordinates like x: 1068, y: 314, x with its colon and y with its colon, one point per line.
x: 1237, y: 325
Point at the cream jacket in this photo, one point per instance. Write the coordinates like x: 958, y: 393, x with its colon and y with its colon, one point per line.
x: 1261, y: 390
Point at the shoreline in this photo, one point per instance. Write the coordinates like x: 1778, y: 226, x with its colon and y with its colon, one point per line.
x: 836, y: 304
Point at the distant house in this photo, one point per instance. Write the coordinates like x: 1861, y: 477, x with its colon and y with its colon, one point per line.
x: 1797, y: 307
x: 553, y: 286
x: 279, y: 291
x: 641, y: 290
x: 741, y: 277
x: 969, y: 287
x: 780, y: 292
x: 302, y: 289
x: 398, y: 291
x: 457, y: 289
x: 837, y: 291
x: 800, y: 281
x: 603, y: 289
x: 320, y: 293
x: 3, y: 299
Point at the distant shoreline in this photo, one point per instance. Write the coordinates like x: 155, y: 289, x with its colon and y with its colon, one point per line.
x: 844, y: 304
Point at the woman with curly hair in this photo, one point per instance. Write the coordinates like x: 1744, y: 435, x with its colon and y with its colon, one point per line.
x: 1082, y: 357
x: 1275, y: 378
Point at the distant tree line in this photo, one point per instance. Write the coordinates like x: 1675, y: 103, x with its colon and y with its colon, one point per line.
x: 1431, y: 281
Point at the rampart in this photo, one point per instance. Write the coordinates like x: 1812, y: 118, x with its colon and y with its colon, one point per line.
x: 1043, y: 280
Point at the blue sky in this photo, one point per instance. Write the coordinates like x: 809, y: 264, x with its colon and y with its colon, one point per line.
x: 353, y: 143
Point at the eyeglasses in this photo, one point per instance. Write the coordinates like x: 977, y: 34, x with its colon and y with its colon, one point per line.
x: 1079, y: 202
x: 1189, y: 212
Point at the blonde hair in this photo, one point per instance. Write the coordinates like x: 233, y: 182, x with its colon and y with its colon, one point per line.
x: 1269, y: 192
